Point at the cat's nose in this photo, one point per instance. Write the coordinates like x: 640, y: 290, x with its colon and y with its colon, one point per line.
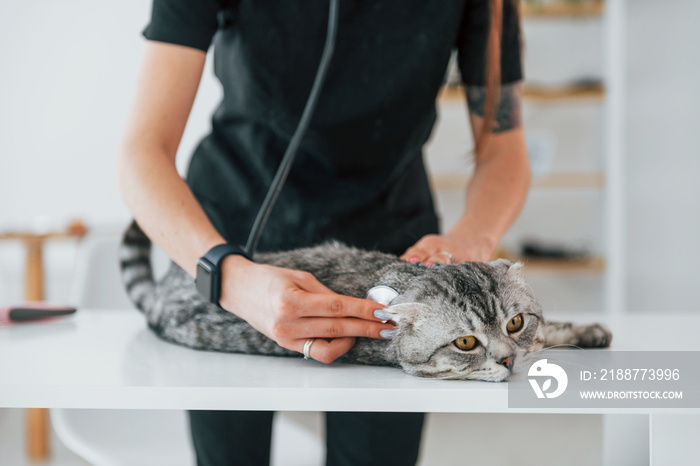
x: 507, y: 362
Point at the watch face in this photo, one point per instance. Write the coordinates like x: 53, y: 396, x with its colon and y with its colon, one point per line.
x: 205, y: 280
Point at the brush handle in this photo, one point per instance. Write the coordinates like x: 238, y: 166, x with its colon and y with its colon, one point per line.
x: 33, y: 311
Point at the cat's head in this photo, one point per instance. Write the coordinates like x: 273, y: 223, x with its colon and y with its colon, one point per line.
x: 466, y: 321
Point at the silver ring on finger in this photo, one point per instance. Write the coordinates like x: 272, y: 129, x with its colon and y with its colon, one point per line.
x: 449, y: 255
x: 307, y: 347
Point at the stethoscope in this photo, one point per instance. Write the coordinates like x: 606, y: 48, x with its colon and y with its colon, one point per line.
x: 283, y: 170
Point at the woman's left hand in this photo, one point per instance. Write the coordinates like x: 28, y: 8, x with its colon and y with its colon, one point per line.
x: 450, y: 248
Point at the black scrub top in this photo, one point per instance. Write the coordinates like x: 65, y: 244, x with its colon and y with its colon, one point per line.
x: 358, y: 176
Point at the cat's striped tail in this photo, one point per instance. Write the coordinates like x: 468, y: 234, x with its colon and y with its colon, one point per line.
x: 136, y: 268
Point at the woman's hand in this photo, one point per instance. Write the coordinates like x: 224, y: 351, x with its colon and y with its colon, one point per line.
x: 496, y: 191
x: 451, y: 247
x: 290, y: 307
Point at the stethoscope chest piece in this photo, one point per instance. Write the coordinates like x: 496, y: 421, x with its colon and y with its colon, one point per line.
x: 382, y: 294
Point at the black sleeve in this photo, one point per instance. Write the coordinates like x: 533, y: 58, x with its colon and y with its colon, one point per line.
x: 472, y: 40
x: 191, y: 23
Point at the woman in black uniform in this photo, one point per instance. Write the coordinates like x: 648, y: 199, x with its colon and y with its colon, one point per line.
x: 358, y: 176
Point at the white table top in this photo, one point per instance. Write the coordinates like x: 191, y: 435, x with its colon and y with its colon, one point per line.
x: 109, y: 359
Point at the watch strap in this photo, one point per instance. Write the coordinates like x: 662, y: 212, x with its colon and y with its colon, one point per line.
x: 216, y: 254
x: 208, y: 280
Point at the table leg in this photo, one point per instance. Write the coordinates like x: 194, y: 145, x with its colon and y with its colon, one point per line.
x: 37, y: 422
x: 37, y: 419
x: 34, y: 272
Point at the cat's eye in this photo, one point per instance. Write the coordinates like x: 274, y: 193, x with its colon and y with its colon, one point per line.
x: 515, y: 324
x: 466, y: 343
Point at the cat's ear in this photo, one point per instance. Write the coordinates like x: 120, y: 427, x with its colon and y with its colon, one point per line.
x: 502, y: 263
x: 511, y: 269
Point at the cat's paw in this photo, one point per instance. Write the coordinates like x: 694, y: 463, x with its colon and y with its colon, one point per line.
x: 594, y: 336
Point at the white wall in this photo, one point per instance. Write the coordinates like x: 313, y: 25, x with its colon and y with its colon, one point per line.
x: 69, y: 68
x: 68, y: 72
x: 663, y: 158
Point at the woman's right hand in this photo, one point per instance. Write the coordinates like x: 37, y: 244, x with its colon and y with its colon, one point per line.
x: 290, y: 307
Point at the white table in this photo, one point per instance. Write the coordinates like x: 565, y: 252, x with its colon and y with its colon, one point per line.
x: 109, y: 359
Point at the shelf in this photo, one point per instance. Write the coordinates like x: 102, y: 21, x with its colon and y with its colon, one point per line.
x: 592, y: 92
x: 564, y: 180
x: 582, y: 266
x: 28, y: 236
x: 562, y: 9
x: 590, y: 265
x: 538, y: 93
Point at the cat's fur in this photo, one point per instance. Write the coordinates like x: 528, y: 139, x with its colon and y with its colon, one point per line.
x: 435, y: 306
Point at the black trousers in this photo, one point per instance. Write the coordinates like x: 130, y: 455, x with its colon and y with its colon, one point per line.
x: 233, y: 438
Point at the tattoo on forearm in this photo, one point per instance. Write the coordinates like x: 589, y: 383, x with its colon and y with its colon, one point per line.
x: 508, y: 114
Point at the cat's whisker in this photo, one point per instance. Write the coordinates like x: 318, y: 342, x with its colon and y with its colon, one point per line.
x: 562, y: 345
x: 448, y: 377
x: 532, y: 292
x: 395, y: 306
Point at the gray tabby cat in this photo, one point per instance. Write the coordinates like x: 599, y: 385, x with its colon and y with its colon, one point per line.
x: 459, y: 321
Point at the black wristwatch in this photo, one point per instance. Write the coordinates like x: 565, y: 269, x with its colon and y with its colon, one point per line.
x: 208, y: 281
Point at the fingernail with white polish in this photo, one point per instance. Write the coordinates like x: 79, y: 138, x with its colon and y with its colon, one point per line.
x: 383, y: 314
x: 388, y: 334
